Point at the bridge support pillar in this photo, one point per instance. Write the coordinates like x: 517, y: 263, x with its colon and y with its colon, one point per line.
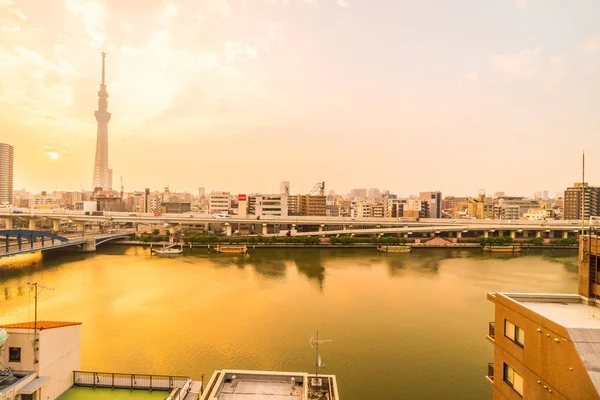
x: 565, y: 234
x: 89, y: 245
x: 513, y: 234
x: 500, y: 233
x: 171, y: 230
x: 538, y: 234
x: 293, y: 230
x: 8, y: 222
x: 321, y: 227
x: 486, y: 234
x: 458, y: 235
x: 228, y: 230
x: 525, y: 233
x: 32, y: 224
x: 81, y: 228
x: 55, y: 226
x: 264, y: 229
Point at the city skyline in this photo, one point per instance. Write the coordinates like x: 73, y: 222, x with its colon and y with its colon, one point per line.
x: 493, y: 98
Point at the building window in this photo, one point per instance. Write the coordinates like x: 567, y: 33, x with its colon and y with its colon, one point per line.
x: 514, y: 333
x: 14, y: 354
x: 513, y: 379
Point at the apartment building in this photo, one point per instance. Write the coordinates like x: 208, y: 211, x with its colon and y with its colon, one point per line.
x: 547, y: 346
x: 274, y: 205
x: 309, y: 205
x: 572, y: 201
x: 220, y: 203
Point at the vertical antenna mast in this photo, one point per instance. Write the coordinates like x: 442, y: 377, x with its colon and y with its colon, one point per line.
x: 582, y: 192
x: 35, y: 339
x: 103, y: 57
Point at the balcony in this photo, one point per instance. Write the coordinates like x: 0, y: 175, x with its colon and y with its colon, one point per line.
x: 490, y: 374
x: 491, y: 331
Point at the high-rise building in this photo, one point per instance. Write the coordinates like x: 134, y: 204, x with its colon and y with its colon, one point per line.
x: 309, y: 205
x: 6, y: 173
x: 572, y: 208
x: 373, y: 194
x: 546, y: 345
x: 102, y: 174
x: 434, y: 200
x: 284, y: 188
x: 201, y: 192
x: 358, y: 194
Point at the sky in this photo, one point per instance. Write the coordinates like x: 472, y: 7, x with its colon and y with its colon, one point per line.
x: 239, y: 95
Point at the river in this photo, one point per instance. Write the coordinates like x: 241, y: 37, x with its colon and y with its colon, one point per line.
x: 403, y: 326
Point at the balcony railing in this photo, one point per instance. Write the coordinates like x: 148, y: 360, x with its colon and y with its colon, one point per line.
x: 492, y: 330
x: 490, y: 374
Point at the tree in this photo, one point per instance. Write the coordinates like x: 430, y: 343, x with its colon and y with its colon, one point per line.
x: 538, y: 241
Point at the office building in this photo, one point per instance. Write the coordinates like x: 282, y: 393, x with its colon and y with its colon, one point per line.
x: 293, y: 205
x: 201, y: 192
x: 284, y: 188
x: 273, y: 205
x: 547, y: 346
x: 102, y: 174
x: 373, y: 194
x: 434, y: 201
x: 220, y: 203
x: 572, y: 205
x: 6, y: 174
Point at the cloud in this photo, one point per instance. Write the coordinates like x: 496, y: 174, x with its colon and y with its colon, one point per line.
x: 92, y: 14
x: 522, y: 63
x: 342, y: 3
x: 591, y: 46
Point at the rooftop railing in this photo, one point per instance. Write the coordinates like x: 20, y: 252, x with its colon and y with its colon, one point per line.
x: 129, y: 381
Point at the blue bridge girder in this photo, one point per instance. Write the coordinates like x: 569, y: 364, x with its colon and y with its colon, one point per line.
x: 28, y: 235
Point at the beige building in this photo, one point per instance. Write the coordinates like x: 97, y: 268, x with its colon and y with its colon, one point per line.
x: 547, y: 346
x: 53, y: 364
x: 220, y: 203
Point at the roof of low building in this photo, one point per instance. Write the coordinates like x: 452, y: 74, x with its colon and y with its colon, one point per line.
x: 40, y: 325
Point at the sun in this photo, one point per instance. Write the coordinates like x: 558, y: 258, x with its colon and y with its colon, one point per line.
x: 52, y: 155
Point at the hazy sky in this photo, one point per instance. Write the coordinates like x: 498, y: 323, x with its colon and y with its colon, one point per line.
x: 455, y: 95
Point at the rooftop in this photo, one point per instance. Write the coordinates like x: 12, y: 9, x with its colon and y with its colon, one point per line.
x: 568, y: 310
x: 40, y: 325
x: 89, y: 393
x: 274, y: 385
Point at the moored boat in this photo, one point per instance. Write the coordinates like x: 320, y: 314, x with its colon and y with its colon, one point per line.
x: 502, y: 249
x: 167, y: 251
x: 231, y: 249
x: 395, y: 249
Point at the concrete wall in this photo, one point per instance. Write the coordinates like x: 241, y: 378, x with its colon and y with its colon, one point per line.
x: 21, y: 338
x: 555, y: 365
x: 59, y: 356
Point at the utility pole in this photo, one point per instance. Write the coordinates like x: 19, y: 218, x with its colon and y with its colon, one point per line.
x: 35, y: 339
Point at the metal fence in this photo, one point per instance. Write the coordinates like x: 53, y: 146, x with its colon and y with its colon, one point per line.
x: 129, y: 381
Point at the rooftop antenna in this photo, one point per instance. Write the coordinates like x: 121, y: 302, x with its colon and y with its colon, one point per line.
x: 317, y: 342
x: 582, y: 197
x: 35, y: 339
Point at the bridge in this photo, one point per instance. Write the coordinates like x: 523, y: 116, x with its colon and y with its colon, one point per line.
x: 23, y: 241
x: 323, y: 226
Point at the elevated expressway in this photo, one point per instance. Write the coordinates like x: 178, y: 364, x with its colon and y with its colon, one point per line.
x: 324, y: 226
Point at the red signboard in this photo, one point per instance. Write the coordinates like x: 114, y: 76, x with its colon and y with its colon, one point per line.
x: 241, y: 197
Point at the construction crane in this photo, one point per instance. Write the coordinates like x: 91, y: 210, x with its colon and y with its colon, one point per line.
x: 318, y: 189
x: 121, y: 187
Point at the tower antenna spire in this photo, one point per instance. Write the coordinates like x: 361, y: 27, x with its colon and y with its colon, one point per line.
x: 103, y: 57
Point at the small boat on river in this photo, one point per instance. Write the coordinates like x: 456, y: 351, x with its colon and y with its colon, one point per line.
x: 232, y: 249
x: 167, y: 251
x: 395, y: 249
x: 502, y: 249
